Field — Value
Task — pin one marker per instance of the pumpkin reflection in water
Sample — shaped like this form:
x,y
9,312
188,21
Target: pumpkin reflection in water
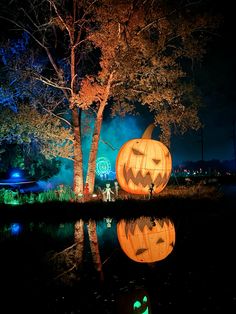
x,y
134,302
141,162
146,240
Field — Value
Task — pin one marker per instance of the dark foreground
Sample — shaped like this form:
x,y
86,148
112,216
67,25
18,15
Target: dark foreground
x,y
198,276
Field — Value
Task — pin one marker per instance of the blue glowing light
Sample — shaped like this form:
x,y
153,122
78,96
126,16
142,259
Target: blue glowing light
x,y
103,166
15,175
15,228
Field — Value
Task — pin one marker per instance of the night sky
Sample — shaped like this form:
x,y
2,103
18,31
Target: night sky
x,y
216,80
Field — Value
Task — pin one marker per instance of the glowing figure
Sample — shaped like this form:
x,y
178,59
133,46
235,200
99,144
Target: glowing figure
x,y
86,191
116,188
108,222
107,193
151,188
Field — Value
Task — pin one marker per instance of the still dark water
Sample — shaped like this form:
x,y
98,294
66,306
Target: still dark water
x,y
188,265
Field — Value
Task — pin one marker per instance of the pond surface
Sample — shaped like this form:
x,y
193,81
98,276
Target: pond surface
x,y
150,264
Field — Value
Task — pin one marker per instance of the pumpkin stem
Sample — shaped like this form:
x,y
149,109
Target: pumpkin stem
x,y
148,131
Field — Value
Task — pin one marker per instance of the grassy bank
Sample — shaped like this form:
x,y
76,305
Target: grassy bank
x,y
172,201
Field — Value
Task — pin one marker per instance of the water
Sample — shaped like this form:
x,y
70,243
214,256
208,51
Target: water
x,y
183,263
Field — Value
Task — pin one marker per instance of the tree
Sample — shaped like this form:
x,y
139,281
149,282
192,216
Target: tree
x,y
28,126
118,53
29,159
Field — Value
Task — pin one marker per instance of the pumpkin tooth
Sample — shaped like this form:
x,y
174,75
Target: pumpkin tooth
x,y
135,171
153,176
142,172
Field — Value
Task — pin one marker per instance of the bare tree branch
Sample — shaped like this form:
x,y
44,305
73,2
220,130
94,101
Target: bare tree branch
x,y
61,19
57,116
49,82
63,251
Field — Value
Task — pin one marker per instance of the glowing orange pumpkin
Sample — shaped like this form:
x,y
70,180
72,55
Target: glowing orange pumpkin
x,y
146,240
141,162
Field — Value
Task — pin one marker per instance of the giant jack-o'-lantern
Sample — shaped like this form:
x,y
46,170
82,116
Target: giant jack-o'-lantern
x,y
141,162
146,240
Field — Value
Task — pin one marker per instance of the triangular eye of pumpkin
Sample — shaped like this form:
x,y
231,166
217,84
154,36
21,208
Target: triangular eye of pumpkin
x,y
140,251
145,299
160,241
156,161
136,152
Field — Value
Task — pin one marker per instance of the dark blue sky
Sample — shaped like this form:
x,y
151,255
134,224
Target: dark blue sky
x,y
216,78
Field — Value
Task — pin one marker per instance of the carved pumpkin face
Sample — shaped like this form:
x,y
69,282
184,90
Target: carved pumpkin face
x,y
145,240
135,302
141,162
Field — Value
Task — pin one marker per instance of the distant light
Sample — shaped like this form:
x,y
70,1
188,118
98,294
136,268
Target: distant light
x,y
15,228
15,175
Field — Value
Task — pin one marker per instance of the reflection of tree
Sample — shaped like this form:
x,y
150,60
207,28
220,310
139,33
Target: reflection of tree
x,y
67,262
93,241
79,241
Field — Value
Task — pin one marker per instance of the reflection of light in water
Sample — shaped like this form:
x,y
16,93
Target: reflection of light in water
x,y
138,305
135,301
108,222
15,228
146,239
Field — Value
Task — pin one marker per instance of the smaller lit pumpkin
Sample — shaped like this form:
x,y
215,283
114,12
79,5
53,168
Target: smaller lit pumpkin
x,y
146,240
134,302
142,162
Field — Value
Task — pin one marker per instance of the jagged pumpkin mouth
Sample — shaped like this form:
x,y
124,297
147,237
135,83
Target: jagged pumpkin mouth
x,y
144,180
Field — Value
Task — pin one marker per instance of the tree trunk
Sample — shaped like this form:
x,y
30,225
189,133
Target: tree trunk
x,y
78,157
93,240
79,240
90,179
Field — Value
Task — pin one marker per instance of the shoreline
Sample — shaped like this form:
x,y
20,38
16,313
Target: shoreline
x,y
58,211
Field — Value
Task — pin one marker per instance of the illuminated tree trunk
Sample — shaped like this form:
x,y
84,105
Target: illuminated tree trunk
x,y
79,241
78,158
90,179
93,240
76,122
93,154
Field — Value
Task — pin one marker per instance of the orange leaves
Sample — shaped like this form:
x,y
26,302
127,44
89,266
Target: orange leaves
x,y
90,92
